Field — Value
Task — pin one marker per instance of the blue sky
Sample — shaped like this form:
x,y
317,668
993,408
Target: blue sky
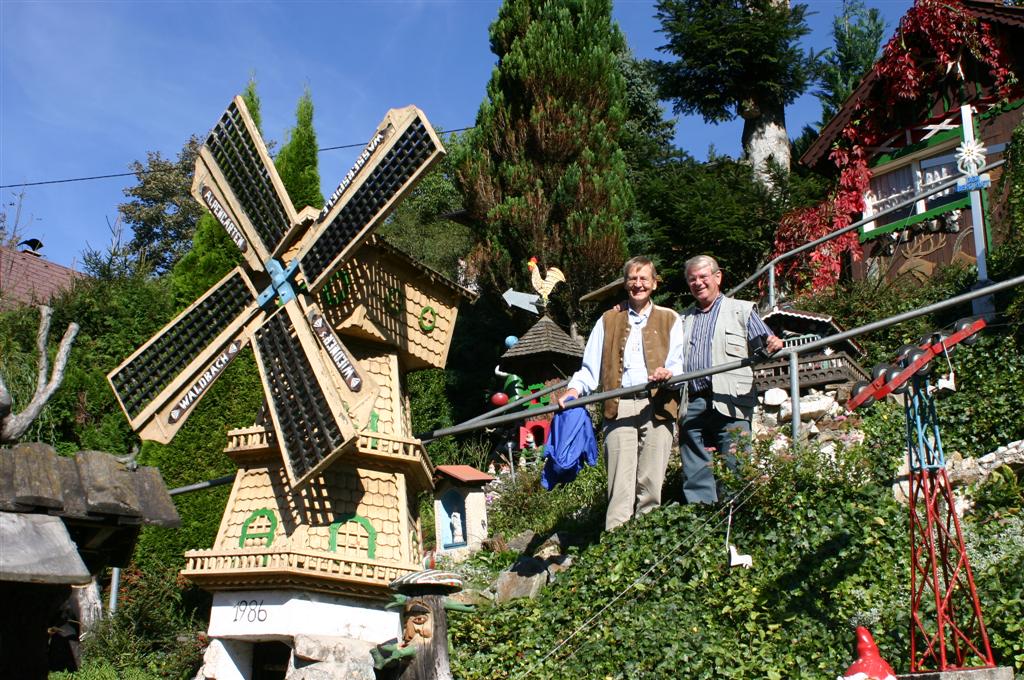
x,y
88,87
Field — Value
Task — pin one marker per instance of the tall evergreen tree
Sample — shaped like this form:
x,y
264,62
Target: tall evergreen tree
x,y
297,160
542,172
857,33
737,58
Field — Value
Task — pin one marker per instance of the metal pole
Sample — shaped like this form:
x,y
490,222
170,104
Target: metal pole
x,y
198,486
794,395
771,287
115,585
982,306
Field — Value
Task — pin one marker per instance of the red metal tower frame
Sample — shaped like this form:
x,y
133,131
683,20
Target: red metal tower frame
x,y
947,628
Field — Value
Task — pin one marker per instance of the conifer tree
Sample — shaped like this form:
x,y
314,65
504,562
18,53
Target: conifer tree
x,y
542,172
737,58
297,160
857,33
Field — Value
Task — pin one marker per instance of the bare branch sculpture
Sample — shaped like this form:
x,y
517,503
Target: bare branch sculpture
x,y
13,425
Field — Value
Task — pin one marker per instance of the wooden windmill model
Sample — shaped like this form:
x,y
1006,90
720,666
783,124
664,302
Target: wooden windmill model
x,y
325,497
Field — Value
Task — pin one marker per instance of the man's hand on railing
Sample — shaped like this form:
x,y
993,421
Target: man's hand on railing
x,y
773,344
568,395
660,373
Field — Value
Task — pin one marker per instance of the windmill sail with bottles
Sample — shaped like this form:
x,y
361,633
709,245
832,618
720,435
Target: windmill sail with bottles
x,y
317,395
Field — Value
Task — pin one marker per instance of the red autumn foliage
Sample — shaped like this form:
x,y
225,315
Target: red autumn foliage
x,y
932,42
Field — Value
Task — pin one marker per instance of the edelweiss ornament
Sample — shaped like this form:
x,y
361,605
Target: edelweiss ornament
x,y
970,157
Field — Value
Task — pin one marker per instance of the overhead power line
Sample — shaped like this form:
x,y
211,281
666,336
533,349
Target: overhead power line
x,y
146,172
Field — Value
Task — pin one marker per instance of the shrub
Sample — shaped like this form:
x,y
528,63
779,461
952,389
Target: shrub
x,y
155,632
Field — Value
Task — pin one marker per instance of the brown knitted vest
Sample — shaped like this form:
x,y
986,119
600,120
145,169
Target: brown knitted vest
x,y
655,339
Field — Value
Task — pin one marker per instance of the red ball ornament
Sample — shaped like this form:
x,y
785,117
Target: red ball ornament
x,y
499,398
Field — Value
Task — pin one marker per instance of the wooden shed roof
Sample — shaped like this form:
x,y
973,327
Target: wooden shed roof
x,y
27,279
467,474
91,485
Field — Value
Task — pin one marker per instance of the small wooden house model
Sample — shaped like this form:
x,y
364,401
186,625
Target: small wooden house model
x,y
317,560
834,365
460,509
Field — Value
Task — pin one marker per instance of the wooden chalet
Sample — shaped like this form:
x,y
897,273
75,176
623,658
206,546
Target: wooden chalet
x,y
920,151
354,527
833,366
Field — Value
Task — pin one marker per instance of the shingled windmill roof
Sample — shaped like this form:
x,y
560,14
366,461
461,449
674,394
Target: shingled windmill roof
x,y
545,336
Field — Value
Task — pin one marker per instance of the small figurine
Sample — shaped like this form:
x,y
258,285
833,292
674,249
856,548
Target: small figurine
x,y
869,664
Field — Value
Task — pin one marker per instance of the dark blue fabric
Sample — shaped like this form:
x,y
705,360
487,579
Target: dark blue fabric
x,y
571,445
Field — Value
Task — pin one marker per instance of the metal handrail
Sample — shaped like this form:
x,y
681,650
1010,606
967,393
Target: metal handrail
x,y
792,352
770,267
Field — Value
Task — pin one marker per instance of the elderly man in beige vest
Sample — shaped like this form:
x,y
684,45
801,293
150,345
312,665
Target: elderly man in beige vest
x,y
629,347
717,408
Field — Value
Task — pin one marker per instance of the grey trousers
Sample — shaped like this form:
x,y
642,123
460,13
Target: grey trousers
x,y
703,426
636,449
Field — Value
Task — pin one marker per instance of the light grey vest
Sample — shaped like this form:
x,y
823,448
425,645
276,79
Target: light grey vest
x,y
734,394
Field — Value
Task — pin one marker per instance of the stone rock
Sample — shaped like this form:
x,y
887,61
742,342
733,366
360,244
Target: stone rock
x,y
521,542
770,419
331,670
776,396
326,658
815,406
494,544
558,564
525,578
812,407
221,657
472,596
901,485
556,544
328,648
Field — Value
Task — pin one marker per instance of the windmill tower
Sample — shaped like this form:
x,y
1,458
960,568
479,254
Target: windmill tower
x,y
323,514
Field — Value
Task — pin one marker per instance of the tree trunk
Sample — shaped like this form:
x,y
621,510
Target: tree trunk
x,y
765,141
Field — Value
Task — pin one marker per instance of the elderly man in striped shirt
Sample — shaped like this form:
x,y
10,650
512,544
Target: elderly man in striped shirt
x,y
716,409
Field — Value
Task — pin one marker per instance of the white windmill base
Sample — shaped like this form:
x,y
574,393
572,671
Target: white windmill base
x,y
318,627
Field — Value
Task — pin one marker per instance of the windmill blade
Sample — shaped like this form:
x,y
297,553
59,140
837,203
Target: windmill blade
x,y
206,188
235,160
357,388
404,147
309,416
160,383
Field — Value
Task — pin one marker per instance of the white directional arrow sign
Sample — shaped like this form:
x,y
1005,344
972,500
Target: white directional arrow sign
x,y
526,301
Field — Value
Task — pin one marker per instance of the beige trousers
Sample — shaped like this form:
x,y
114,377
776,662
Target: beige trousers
x,y
636,455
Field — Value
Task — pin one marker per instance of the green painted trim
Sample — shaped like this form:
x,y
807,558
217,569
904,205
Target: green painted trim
x,y
935,140
914,219
1001,108
262,512
371,533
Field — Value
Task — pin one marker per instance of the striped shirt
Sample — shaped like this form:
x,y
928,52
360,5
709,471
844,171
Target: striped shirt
x,y
699,355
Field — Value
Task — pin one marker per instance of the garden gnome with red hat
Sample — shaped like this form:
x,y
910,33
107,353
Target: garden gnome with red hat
x,y
869,664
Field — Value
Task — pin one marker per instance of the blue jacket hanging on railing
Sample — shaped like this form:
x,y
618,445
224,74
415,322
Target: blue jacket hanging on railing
x,y
571,445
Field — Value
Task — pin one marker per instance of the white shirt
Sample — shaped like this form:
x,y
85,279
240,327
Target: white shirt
x,y
634,367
